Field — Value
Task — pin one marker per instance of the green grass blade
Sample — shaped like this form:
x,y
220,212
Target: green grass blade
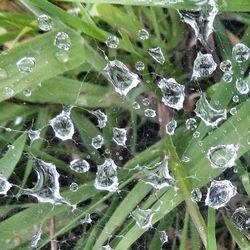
x,y
211,239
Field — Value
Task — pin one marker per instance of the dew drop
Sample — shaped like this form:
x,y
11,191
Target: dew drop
x,y
106,176
196,195
227,77
240,52
143,34
136,105
196,134
226,66
157,55
26,65
79,165
73,187
242,86
143,217
204,65
191,124
120,136
62,41
173,93
233,111
8,91
101,118
112,42
4,185
150,113
97,142
27,92
241,218
145,101
140,66
163,237
121,77
44,22
222,156
219,193
36,237
171,126
236,98
62,56
207,113
106,247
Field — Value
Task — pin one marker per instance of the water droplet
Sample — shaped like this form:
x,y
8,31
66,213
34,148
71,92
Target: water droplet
x,y
97,142
242,86
196,195
27,92
223,156
4,185
26,65
191,124
63,126
236,98
143,217
36,237
106,176
120,136
196,134
8,91
79,166
157,55
207,113
62,56
106,247
173,93
171,126
112,42
140,66
150,113
62,41
220,193
143,34
241,218
3,74
240,52
33,135
136,105
233,111
204,65
87,219
226,66
44,22
121,77
163,237
73,187
101,118
227,77
145,101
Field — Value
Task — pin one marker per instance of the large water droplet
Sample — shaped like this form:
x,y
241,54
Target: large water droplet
x,y
106,176
36,237
143,34
207,113
62,41
242,86
143,217
44,22
79,165
62,126
157,55
204,65
173,93
121,77
26,64
196,195
4,185
220,193
240,52
101,118
241,218
171,126
97,142
112,42
120,136
223,156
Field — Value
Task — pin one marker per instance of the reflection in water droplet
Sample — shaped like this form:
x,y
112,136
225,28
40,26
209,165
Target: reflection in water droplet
x,y
106,176
223,156
79,165
121,77
157,55
150,113
207,113
62,41
26,65
240,52
44,22
173,93
4,185
120,136
112,42
143,217
242,86
220,193
196,195
171,126
143,34
97,142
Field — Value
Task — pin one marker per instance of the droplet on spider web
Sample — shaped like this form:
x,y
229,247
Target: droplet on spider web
x,y
150,113
33,135
97,142
158,175
26,65
101,118
196,195
207,113
62,41
106,176
47,188
223,156
112,42
143,34
4,185
143,217
120,136
157,55
240,52
121,77
87,219
220,193
63,126
171,126
45,22
36,237
173,93
226,66
73,187
242,86
204,65
79,165
191,124
163,237
241,218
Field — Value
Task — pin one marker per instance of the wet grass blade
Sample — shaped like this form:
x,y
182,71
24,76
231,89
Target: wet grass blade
x,y
211,239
